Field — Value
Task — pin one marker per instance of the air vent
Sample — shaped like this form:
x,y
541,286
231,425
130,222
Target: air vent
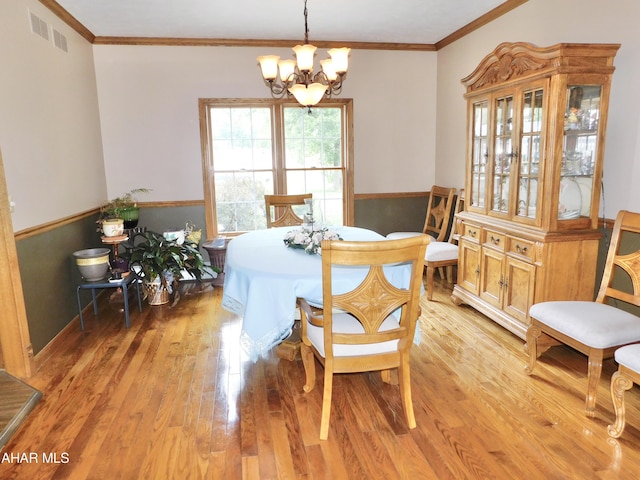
x,y
59,40
39,26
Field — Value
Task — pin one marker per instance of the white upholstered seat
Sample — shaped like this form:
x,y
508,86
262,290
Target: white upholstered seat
x,y
401,235
591,323
345,323
441,251
629,356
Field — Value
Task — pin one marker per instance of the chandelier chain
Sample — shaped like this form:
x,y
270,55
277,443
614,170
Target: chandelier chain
x,y
306,24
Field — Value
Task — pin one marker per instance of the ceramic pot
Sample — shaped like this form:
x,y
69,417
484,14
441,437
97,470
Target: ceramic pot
x,y
113,227
217,250
130,216
93,263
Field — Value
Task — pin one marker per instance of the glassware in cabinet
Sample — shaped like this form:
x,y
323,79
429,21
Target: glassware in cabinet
x,y
479,154
579,150
503,153
530,152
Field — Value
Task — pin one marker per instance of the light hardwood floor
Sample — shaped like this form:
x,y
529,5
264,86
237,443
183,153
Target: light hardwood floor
x,y
173,397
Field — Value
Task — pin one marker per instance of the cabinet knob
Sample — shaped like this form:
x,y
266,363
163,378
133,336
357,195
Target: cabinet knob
x,y
495,240
520,249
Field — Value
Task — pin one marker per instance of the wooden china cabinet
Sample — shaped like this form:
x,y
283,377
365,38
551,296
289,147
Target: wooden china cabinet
x,y
535,147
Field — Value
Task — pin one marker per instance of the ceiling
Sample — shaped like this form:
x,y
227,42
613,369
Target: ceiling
x,y
419,22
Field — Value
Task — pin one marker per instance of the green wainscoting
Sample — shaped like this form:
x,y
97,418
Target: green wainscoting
x,y
160,219
49,274
386,214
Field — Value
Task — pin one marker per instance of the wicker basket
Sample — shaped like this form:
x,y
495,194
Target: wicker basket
x,y
157,294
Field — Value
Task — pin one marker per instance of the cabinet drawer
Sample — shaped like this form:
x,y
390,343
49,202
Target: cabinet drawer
x,y
472,232
524,248
494,239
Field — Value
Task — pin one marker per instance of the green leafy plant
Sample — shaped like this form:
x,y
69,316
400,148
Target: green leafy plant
x,y
117,207
156,257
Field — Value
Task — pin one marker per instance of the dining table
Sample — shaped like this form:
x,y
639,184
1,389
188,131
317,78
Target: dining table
x,y
264,278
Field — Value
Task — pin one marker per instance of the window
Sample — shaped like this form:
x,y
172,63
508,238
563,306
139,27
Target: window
x,y
257,147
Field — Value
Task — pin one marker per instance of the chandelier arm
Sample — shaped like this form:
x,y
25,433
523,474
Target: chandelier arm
x,y
336,86
320,77
335,89
278,90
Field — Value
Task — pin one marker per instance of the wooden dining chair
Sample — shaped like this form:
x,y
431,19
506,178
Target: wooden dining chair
x,y
628,373
279,209
444,255
369,328
436,222
596,328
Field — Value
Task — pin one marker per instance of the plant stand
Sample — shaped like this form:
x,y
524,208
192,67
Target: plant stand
x,y
115,241
217,250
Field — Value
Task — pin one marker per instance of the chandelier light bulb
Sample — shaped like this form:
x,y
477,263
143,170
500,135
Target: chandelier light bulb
x,y
328,69
287,68
340,59
269,66
308,95
304,57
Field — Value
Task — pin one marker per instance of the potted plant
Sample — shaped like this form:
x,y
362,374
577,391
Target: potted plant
x,y
161,263
124,207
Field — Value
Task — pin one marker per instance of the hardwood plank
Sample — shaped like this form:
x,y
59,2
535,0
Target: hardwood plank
x,y
266,457
250,468
367,446
217,466
174,397
284,461
318,468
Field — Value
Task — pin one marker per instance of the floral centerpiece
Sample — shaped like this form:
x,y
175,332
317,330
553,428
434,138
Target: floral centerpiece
x,y
308,239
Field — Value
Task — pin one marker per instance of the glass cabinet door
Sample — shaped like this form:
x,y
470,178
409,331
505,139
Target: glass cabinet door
x,y
530,150
579,150
479,154
503,153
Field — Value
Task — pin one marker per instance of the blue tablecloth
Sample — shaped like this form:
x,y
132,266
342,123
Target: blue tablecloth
x,y
263,279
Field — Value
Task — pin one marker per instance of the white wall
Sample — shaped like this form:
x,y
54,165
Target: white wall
x,y
149,114
50,126
49,123
544,23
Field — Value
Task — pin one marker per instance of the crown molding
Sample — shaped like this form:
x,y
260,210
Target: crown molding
x,y
70,20
488,17
235,42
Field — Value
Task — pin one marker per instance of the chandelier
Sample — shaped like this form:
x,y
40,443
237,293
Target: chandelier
x,y
297,77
